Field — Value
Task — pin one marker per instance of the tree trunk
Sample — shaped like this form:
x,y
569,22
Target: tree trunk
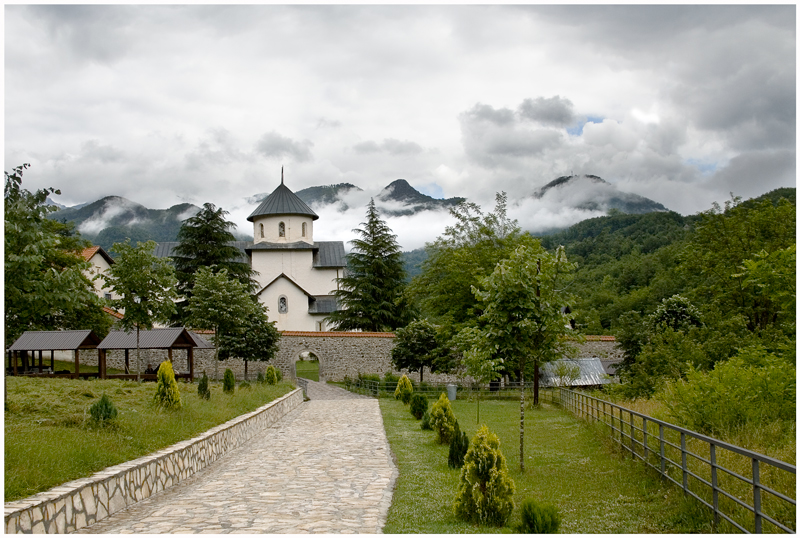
x,y
245,369
535,382
421,368
522,422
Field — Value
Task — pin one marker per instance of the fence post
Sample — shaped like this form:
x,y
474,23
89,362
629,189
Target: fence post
x,y
714,492
644,438
683,464
661,448
633,437
756,496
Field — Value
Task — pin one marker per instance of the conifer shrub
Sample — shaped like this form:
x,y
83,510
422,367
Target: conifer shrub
x,y
202,388
278,375
260,378
167,395
244,385
228,381
443,420
459,444
271,377
404,390
486,492
418,405
103,410
538,518
426,421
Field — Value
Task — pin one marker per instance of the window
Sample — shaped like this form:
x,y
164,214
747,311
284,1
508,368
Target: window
x,y
281,230
283,305
107,296
304,229
262,230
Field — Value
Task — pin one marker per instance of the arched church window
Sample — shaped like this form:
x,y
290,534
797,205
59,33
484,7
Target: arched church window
x,y
304,229
283,305
262,230
281,230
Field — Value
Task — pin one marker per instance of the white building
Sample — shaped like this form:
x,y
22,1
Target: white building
x,y
297,276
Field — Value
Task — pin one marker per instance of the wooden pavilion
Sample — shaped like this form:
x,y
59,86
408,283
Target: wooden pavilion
x,y
52,341
168,339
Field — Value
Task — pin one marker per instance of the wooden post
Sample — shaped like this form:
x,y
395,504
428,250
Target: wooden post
x,y
127,364
77,363
40,361
53,360
15,362
191,364
169,356
101,363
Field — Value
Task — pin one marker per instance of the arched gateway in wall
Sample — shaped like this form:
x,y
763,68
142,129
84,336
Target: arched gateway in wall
x,y
340,353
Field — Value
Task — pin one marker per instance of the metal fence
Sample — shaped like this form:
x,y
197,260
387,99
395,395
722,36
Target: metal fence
x,y
506,391
750,491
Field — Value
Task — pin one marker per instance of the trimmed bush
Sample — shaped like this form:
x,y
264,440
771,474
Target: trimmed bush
x,y
426,421
103,410
419,405
443,421
167,395
459,445
244,385
538,518
271,377
278,375
404,390
228,381
202,388
485,492
260,378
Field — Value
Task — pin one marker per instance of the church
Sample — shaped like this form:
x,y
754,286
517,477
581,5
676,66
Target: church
x,y
296,275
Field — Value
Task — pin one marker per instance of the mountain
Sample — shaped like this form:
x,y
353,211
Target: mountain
x,y
113,219
593,193
326,194
410,199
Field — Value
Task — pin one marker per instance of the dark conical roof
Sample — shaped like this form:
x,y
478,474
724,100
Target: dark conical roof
x,y
282,201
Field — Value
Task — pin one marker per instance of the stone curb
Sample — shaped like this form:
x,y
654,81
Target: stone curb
x,y
85,501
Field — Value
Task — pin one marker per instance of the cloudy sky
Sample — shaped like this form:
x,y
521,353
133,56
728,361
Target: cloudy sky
x,y
171,104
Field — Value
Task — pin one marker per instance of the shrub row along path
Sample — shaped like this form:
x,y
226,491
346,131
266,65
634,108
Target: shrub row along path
x,y
324,468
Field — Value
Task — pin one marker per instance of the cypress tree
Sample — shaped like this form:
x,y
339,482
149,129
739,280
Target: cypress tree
x,y
371,291
206,241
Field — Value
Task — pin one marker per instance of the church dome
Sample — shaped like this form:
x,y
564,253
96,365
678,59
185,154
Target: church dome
x,y
282,201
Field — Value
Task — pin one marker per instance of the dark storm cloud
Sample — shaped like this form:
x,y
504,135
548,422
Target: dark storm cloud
x,y
549,111
274,145
390,146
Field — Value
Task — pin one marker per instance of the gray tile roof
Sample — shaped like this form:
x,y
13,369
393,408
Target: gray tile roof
x,y
330,254
152,339
591,372
55,340
165,248
322,304
282,201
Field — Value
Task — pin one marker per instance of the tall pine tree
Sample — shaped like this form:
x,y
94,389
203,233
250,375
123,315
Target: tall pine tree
x,y
206,241
370,293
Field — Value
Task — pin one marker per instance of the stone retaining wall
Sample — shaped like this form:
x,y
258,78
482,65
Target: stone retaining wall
x,y
82,502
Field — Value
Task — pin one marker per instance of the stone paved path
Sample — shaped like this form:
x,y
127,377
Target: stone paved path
x,y
325,468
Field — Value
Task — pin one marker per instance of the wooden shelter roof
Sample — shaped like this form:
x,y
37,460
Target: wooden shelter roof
x,y
55,341
170,337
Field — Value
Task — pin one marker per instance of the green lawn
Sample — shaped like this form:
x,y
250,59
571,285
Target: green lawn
x,y
49,438
567,463
308,370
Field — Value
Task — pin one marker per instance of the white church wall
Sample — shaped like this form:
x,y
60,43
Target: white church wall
x,y
293,229
297,265
296,317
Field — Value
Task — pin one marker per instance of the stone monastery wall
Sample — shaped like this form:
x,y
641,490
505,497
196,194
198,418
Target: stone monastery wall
x,y
340,354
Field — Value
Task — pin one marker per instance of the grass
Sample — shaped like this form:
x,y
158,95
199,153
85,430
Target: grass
x,y
50,439
308,370
568,463
66,365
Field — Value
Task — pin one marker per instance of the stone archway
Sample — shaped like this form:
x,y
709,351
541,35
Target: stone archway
x,y
308,357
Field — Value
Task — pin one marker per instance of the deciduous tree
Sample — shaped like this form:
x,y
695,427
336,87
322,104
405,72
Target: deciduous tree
x,y
416,346
145,286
